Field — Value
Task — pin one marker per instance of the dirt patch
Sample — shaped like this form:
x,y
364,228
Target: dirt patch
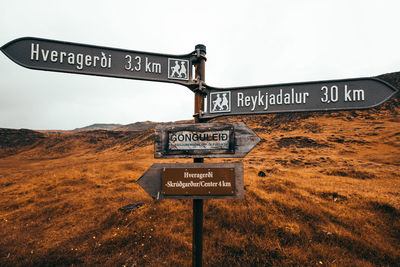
x,y
385,208
299,142
352,173
343,140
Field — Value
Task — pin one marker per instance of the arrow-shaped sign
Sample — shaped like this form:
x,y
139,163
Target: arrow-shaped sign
x,y
194,181
204,140
51,55
359,93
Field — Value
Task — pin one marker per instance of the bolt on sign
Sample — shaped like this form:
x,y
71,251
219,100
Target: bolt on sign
x,y
207,140
347,94
194,181
51,55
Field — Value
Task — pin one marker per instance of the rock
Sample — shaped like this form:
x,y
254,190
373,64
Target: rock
x,y
131,207
261,174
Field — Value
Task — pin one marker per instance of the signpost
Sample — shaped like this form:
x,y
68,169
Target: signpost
x,y
51,55
194,181
204,140
296,97
198,180
197,232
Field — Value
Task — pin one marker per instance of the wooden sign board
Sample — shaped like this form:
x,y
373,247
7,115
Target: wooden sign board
x,y
205,140
194,181
198,181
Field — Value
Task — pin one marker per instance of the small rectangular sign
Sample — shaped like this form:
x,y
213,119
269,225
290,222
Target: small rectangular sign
x,y
198,181
192,140
194,180
209,140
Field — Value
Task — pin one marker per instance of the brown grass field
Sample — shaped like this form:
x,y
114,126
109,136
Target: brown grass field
x,y
321,189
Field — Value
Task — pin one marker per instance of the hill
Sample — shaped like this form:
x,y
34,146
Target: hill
x,y
137,126
99,126
321,188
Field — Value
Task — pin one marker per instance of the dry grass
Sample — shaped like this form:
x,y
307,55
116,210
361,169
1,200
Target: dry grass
x,y
329,195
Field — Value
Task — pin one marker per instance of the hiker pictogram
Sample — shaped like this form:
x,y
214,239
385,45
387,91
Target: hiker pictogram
x,y
220,102
178,69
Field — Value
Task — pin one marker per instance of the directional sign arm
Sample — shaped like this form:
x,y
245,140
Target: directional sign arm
x,y
52,55
360,93
205,140
151,180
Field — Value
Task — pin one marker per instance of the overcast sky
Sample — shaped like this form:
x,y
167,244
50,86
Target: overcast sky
x,y
248,43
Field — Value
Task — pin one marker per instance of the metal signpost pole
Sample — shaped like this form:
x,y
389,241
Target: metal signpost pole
x,y
197,243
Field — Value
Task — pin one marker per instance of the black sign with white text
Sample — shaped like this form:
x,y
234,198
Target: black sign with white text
x,y
50,55
312,96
